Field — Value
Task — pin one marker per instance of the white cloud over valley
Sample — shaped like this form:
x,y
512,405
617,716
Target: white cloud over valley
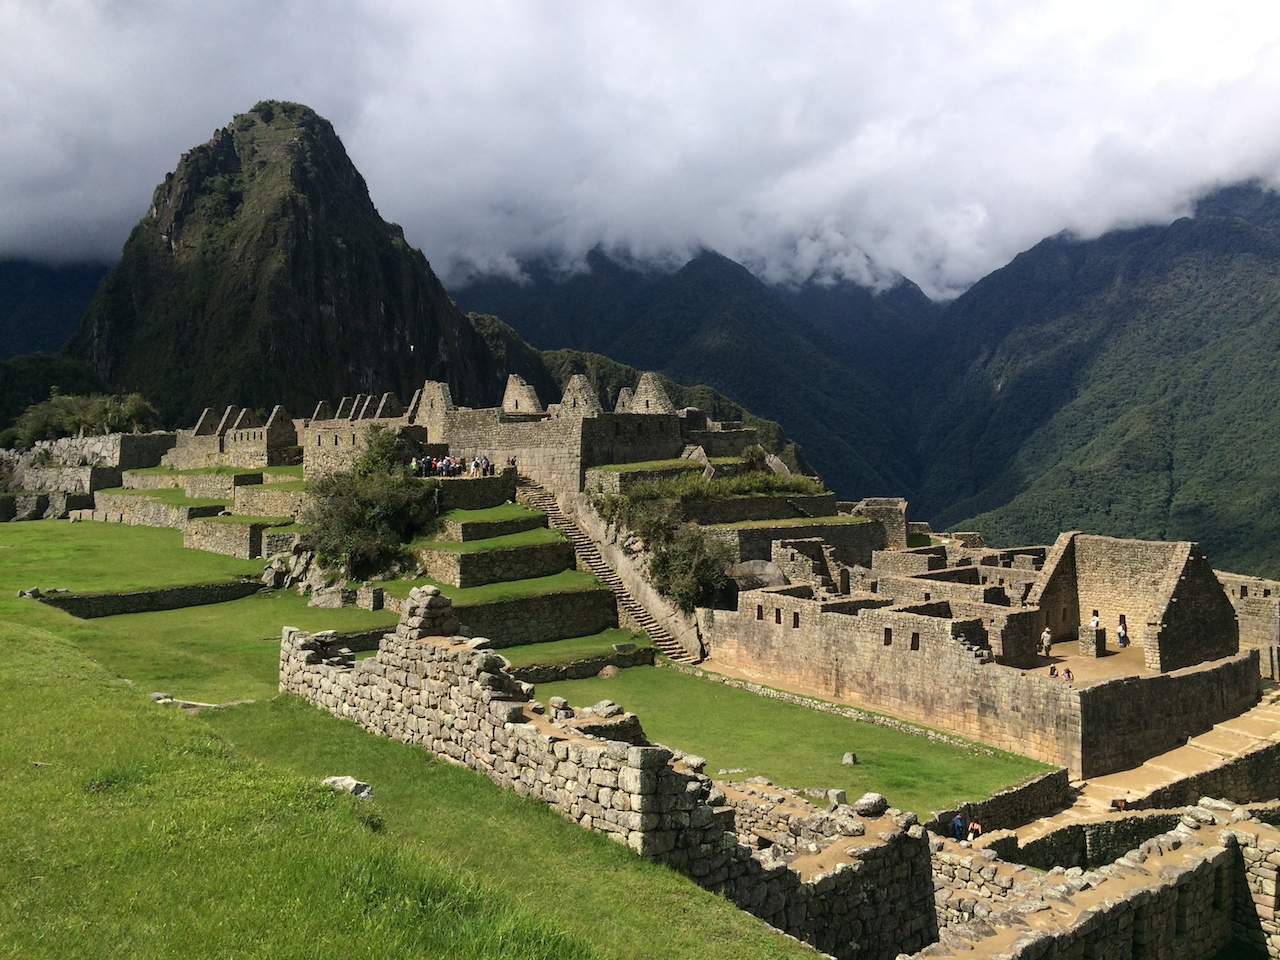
x,y
851,138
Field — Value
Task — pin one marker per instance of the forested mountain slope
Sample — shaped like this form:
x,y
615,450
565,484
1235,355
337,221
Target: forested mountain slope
x,y
1125,385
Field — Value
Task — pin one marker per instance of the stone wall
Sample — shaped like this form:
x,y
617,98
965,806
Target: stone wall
x,y
201,486
605,480
478,567
477,493
1087,845
1249,777
137,480
462,703
228,537
90,605
137,510
537,619
464,531
779,507
270,501
853,543
70,479
584,668
1036,797
1126,720
51,505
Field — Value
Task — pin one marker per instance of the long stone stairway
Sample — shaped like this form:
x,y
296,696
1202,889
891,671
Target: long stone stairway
x,y
589,558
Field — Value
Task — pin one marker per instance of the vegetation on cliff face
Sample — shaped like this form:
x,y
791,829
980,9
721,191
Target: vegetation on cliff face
x,y
69,415
1126,386
263,274
34,377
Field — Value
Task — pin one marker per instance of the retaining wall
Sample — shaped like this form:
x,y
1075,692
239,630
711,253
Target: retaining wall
x,y
268,501
477,493
137,510
854,543
87,606
584,668
552,616
485,529
475,568
1027,801
777,507
463,704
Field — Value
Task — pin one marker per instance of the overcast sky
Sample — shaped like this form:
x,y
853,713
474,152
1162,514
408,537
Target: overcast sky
x,y
850,138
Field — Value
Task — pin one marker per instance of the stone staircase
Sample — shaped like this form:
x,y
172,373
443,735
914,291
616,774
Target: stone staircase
x,y
535,495
1226,741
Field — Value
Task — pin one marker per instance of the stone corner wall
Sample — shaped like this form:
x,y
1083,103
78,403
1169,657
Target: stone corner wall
x,y
427,687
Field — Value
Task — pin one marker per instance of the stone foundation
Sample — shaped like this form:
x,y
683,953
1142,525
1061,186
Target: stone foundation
x,y
475,568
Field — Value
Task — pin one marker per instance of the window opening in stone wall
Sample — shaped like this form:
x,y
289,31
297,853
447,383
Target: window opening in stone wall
x,y
888,636
915,640
1095,613
795,619
759,611
1244,592
777,614
335,439
1266,592
353,439
927,596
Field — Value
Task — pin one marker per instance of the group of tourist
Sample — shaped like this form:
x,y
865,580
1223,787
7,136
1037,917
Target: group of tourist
x,y
960,832
454,467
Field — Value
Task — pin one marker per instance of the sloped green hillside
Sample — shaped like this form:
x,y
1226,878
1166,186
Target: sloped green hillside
x,y
1125,386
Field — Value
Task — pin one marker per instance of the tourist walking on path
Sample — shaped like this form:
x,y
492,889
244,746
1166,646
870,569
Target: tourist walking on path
x,y
1046,641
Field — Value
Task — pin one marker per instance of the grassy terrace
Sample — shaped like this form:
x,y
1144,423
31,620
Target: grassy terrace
x,y
524,538
283,485
564,582
124,821
174,496
505,511
787,522
575,648
795,746
276,522
289,471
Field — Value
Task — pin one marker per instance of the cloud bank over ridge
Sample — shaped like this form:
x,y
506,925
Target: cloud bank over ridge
x,y
832,138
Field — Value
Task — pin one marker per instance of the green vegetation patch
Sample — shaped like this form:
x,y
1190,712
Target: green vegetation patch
x,y
524,538
174,496
575,648
214,653
795,746
645,466
91,557
566,581
505,511
125,822
788,522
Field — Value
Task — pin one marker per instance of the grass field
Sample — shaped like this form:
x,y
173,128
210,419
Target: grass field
x,y
524,538
504,511
132,830
175,496
795,746
564,582
574,648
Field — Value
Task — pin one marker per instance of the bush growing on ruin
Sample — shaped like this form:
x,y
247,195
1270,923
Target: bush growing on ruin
x,y
362,518
69,415
690,569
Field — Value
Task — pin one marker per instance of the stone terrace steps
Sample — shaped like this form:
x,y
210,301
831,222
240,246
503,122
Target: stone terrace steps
x,y
589,557
1226,740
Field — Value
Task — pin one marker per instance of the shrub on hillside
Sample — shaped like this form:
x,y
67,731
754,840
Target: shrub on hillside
x,y
69,415
690,569
362,519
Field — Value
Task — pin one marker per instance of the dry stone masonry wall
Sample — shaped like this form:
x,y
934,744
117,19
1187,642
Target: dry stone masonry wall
x,y
427,686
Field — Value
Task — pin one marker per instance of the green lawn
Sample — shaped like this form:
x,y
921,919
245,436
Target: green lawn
x,y
215,653
524,538
136,831
676,463
504,511
175,496
564,582
795,746
574,648
92,557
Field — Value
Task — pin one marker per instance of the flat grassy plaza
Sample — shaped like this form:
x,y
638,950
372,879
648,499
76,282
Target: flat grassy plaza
x,y
125,822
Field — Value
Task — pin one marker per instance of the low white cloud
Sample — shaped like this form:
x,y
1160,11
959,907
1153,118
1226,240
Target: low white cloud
x,y
827,138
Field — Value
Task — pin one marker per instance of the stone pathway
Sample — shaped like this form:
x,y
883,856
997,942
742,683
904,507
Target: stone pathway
x,y
535,495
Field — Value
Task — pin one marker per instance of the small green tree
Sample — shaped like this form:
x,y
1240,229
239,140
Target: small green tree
x,y
361,519
690,568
